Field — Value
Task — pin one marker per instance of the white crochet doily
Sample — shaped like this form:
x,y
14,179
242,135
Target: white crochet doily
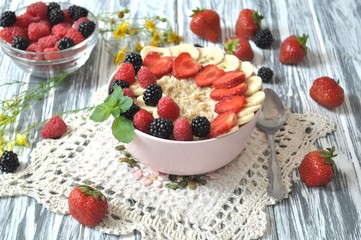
x,y
230,207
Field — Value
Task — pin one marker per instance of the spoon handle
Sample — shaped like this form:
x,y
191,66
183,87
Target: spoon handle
x,y
275,188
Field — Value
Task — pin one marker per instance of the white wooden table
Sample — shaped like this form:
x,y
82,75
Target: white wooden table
x,y
330,212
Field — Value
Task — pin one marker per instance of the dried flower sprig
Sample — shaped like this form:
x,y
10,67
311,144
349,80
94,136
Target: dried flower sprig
x,y
139,32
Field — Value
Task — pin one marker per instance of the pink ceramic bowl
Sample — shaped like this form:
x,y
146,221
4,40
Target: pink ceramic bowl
x,y
189,158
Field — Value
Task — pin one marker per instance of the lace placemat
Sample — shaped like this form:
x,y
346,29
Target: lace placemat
x,y
229,207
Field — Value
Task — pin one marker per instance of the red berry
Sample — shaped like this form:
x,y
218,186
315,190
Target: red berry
x,y
206,23
48,41
185,66
293,49
35,47
239,47
37,30
8,33
60,29
207,75
158,65
87,205
248,23
182,130
327,92
146,77
127,92
125,72
167,108
54,128
24,20
38,10
76,36
79,21
223,123
67,18
142,119
54,55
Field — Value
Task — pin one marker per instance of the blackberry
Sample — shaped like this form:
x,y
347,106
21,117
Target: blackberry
x,y
263,38
56,16
135,59
266,74
200,126
76,12
161,128
52,6
7,19
9,162
131,112
20,42
65,43
121,83
86,28
152,95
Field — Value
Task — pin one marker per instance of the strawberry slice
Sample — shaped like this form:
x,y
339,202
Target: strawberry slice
x,y
233,104
207,75
222,123
230,79
158,65
184,66
219,93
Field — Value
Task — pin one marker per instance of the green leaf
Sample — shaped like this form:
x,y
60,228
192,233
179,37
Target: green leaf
x,y
124,104
116,112
101,112
123,129
115,96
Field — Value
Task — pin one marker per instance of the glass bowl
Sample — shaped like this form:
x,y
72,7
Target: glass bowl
x,y
66,61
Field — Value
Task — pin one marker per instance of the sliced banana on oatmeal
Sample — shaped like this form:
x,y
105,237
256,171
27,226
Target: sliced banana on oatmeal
x,y
255,99
185,47
163,52
245,119
247,68
140,102
136,89
254,84
229,63
210,55
248,110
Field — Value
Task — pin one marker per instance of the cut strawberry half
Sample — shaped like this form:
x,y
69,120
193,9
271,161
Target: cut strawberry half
x,y
220,93
222,124
184,66
158,65
207,75
230,79
233,104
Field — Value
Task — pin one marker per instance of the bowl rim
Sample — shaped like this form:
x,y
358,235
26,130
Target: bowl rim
x,y
92,38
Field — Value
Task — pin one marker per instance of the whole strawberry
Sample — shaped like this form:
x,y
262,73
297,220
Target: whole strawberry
x,y
293,49
317,168
87,205
54,128
239,47
327,92
248,23
206,23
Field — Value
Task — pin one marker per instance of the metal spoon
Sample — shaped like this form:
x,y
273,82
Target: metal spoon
x,y
271,118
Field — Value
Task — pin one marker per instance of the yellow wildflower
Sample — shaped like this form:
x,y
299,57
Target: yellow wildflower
x,y
120,56
155,39
174,38
150,25
3,119
138,46
20,140
121,30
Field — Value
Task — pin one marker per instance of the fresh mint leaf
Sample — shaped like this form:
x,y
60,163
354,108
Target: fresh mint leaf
x,y
101,112
123,129
116,95
124,104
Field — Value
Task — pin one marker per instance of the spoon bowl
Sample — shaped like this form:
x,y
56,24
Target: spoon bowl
x,y
271,118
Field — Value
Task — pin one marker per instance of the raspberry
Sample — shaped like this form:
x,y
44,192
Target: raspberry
x,y
56,16
127,92
7,34
37,30
60,29
86,28
9,162
76,12
24,20
167,108
135,59
65,43
161,127
54,128
54,55
182,130
35,47
7,19
74,35
142,120
126,72
20,43
48,41
152,95
200,126
79,21
67,18
146,77
38,10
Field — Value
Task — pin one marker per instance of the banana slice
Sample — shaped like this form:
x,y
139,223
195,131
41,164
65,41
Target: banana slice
x,y
255,99
140,102
247,68
210,55
248,110
254,84
163,52
245,119
136,89
155,114
185,47
229,63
